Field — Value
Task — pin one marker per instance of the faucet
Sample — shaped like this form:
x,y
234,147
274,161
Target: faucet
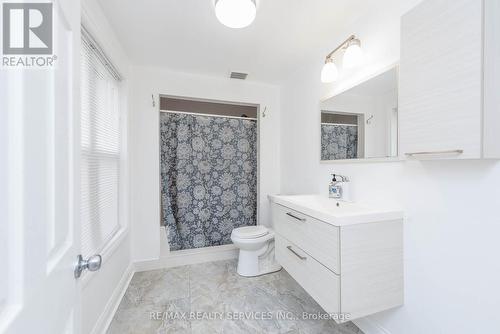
x,y
343,177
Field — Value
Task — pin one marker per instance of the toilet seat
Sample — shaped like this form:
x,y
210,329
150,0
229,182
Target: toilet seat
x,y
250,232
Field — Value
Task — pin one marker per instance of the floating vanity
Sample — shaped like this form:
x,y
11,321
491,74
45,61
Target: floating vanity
x,y
347,257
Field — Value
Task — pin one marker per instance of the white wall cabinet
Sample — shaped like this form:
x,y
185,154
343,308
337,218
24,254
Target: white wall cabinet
x,y
449,70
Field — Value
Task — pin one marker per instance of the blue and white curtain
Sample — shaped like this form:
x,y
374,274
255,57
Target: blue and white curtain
x,y
339,141
209,178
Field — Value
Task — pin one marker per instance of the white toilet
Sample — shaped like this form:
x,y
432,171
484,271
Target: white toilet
x,y
256,244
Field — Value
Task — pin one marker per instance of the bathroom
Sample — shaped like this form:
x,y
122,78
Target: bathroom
x,y
341,167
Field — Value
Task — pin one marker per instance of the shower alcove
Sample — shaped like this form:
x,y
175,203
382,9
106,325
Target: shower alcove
x,y
208,171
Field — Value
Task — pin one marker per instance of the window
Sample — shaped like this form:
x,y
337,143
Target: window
x,y
100,148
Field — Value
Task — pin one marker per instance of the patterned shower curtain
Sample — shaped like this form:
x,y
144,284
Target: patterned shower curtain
x,y
209,178
339,142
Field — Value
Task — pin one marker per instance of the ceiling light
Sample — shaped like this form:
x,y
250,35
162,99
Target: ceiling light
x,y
235,13
329,73
353,54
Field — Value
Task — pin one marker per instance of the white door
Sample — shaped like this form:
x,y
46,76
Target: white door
x,y
39,181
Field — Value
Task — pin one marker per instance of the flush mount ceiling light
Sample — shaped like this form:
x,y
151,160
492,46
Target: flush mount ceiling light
x,y
352,57
235,13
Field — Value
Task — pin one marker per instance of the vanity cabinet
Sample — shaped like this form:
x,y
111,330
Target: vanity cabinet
x,y
449,106
348,258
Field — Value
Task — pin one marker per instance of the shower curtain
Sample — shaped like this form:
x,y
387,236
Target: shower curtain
x,y
209,178
339,141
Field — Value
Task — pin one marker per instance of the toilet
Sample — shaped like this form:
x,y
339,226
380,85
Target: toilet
x,y
256,244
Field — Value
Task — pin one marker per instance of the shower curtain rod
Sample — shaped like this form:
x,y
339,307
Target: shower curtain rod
x,y
339,124
209,115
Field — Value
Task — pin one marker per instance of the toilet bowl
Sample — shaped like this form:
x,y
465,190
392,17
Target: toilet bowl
x,y
256,244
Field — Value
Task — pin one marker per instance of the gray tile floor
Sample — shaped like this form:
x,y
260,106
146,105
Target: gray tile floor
x,y
181,300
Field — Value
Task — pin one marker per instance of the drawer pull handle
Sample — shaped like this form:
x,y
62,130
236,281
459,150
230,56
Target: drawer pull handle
x,y
294,216
413,154
296,254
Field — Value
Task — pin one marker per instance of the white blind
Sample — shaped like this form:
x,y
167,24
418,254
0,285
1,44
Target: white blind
x,y
100,149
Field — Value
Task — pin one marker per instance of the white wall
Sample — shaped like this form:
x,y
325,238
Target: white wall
x,y
378,131
100,290
144,139
453,224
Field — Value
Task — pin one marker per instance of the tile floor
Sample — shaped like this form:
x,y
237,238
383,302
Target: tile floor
x,y
157,301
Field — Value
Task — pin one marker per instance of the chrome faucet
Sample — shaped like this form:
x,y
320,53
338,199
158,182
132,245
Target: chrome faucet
x,y
344,178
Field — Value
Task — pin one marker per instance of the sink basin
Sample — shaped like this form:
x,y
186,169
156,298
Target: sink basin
x,y
335,212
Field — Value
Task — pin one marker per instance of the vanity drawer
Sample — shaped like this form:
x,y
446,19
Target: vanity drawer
x,y
322,284
317,238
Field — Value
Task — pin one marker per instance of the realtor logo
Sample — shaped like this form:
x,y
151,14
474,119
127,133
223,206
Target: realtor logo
x,y
27,35
27,28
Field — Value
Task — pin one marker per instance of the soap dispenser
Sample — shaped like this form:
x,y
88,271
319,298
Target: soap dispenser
x,y
339,188
335,189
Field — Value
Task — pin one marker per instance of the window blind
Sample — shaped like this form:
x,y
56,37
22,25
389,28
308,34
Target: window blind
x,y
100,149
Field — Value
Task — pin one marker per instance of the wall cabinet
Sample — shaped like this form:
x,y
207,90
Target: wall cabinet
x,y
449,71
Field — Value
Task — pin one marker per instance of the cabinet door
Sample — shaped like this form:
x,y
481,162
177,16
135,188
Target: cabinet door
x,y
440,102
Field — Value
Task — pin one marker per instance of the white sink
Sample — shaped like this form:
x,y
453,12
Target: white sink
x,y
335,212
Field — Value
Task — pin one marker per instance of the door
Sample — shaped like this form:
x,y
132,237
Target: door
x,y
39,139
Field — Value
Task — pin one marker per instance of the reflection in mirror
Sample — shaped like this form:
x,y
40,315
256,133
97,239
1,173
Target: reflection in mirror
x,y
363,121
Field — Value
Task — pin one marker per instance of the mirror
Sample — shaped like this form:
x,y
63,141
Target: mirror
x,y
362,122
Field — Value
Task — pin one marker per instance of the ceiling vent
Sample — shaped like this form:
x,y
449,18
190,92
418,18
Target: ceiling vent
x,y
238,75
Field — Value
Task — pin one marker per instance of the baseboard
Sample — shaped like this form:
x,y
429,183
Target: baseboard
x,y
369,326
109,311
189,256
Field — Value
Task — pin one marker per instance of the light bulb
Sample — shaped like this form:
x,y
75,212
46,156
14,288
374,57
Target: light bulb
x,y
353,54
235,13
329,73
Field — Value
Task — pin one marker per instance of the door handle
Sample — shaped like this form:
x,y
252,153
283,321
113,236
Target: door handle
x,y
93,263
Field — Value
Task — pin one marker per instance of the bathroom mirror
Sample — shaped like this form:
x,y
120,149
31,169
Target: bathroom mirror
x,y
362,122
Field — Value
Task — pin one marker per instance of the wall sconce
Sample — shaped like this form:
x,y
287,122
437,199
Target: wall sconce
x,y
352,57
329,73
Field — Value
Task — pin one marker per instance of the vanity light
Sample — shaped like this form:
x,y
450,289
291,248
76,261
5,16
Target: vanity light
x,y
235,13
329,73
353,54
352,57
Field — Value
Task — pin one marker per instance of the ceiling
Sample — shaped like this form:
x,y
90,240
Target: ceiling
x,y
184,35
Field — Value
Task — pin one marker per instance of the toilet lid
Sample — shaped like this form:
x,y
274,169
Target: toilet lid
x,y
249,232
